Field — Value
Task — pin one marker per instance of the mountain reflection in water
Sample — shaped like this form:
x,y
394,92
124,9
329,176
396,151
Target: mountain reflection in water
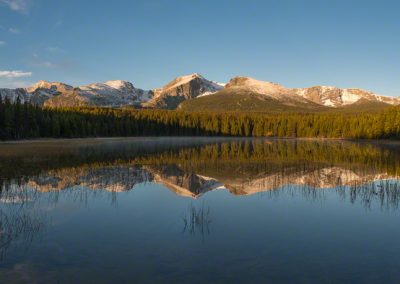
x,y
192,168
35,178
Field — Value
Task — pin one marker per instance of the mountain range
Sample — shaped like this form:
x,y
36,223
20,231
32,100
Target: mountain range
x,y
196,93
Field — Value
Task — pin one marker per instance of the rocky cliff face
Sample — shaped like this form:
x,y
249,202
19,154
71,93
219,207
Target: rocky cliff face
x,y
181,89
13,94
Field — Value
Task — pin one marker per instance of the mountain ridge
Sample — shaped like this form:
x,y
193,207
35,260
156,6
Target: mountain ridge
x,y
189,91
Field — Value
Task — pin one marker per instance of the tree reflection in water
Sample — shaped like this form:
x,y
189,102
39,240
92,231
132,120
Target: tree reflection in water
x,y
34,176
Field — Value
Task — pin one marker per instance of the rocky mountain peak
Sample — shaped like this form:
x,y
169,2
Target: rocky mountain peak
x,y
181,89
182,80
51,86
119,84
261,87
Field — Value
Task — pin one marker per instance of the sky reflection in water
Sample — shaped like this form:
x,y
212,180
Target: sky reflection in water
x,y
196,210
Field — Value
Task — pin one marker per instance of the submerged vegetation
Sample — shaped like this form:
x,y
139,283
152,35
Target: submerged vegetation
x,y
24,121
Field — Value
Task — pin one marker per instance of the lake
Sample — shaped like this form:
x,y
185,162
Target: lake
x,y
196,210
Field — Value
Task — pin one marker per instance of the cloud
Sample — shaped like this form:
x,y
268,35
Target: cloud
x,y
14,30
21,6
14,74
2,43
13,79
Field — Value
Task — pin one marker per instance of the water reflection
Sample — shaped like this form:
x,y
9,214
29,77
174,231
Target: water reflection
x,y
19,221
194,167
170,204
83,171
197,220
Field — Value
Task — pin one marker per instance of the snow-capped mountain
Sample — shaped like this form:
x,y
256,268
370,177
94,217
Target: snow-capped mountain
x,y
273,90
181,89
322,95
245,93
337,97
39,93
116,92
269,89
111,93
186,91
51,88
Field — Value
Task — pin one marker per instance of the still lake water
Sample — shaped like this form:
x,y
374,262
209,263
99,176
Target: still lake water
x,y
196,210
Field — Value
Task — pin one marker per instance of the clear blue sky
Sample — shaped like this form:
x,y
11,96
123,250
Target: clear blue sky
x,y
350,43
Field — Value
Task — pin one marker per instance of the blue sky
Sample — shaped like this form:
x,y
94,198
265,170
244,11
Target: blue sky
x,y
352,43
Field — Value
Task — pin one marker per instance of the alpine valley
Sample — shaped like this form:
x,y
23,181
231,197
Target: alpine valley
x,y
196,93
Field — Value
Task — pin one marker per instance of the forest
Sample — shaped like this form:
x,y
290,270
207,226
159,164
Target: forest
x,y
25,121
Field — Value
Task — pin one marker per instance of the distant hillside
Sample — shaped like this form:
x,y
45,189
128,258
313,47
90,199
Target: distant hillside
x,y
240,100
364,105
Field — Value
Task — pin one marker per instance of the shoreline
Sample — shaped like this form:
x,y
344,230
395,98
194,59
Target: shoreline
x,y
141,138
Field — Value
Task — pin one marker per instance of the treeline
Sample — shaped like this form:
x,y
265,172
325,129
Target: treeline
x,y
25,121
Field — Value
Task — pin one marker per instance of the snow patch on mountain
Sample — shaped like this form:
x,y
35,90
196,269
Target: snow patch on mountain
x,y
337,97
114,93
349,98
260,87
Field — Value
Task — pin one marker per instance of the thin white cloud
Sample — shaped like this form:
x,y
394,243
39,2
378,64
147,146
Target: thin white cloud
x,y
2,43
14,79
21,6
14,74
14,30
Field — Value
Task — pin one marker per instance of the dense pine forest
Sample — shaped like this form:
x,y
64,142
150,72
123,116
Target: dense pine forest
x,y
25,121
